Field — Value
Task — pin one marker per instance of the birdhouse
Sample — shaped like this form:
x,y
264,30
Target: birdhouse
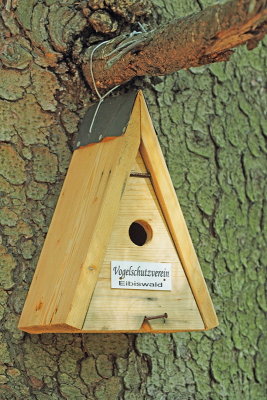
x,y
118,256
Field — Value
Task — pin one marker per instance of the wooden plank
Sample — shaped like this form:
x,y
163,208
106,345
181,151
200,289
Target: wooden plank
x,y
154,160
73,251
114,310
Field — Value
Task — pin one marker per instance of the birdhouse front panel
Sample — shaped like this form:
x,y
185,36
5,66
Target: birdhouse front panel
x,y
140,234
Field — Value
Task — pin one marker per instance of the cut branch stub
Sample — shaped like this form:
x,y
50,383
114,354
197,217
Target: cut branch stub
x,y
197,39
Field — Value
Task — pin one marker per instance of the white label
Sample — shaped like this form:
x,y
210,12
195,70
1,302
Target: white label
x,y
140,275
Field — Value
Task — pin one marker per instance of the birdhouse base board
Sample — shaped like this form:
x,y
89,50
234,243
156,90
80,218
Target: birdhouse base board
x,y
64,328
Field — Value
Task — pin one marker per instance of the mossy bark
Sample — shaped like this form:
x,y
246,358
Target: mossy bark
x,y
211,124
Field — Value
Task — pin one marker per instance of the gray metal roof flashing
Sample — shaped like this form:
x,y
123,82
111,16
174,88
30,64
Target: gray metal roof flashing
x,y
110,120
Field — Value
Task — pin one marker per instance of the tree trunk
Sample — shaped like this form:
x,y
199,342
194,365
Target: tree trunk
x,y
210,122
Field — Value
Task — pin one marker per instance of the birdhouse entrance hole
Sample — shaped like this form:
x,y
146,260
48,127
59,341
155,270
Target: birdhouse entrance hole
x,y
140,232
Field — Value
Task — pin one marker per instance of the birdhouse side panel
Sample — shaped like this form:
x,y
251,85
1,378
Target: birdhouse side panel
x,y
162,184
74,248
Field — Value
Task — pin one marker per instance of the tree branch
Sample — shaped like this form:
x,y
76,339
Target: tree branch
x,y
202,38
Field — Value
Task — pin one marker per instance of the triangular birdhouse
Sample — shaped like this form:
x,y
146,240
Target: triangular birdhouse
x,y
118,256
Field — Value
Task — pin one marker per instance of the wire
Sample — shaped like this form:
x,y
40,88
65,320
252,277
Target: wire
x,y
101,98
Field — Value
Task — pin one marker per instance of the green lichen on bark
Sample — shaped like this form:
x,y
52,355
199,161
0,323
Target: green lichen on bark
x,y
45,86
7,265
12,166
13,84
44,165
16,52
212,129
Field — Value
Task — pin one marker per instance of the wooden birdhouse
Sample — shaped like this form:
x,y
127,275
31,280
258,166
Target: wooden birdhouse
x,y
118,256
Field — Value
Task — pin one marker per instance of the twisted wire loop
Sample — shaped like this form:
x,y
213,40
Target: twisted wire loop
x,y
101,98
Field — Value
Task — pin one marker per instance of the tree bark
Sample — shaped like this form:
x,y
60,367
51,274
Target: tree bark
x,y
202,38
211,123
